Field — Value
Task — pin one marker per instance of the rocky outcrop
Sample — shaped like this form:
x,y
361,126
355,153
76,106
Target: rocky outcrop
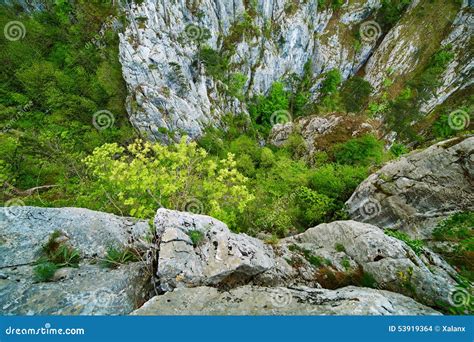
x,y
251,300
330,255
417,191
89,289
199,250
348,252
190,257
321,132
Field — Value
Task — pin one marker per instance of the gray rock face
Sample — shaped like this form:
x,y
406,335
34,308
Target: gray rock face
x,y
89,289
251,300
401,50
414,193
23,230
169,90
220,257
344,251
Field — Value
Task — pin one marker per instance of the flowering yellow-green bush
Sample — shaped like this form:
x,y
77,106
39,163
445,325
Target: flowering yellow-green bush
x,y
145,176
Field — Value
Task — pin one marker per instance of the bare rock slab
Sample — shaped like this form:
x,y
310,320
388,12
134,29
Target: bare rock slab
x,y
253,300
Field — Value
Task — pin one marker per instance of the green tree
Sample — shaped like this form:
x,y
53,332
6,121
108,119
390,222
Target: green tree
x,y
355,94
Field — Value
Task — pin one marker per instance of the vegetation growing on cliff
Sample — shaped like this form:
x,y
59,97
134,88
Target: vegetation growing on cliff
x,y
65,129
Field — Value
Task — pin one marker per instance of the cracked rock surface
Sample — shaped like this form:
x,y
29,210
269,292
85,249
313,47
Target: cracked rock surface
x,y
89,289
219,258
417,191
342,252
253,300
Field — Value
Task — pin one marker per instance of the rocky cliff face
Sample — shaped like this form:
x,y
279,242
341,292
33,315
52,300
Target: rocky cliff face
x,y
266,41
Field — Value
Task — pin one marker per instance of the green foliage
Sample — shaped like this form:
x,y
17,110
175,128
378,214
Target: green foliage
x,y
368,280
242,28
365,150
236,86
331,83
391,12
314,260
458,230
331,99
312,206
338,181
116,257
346,263
45,271
196,236
145,176
398,150
52,82
415,245
299,87
216,64
262,107
404,110
55,254
339,247
355,94
59,252
458,227
336,4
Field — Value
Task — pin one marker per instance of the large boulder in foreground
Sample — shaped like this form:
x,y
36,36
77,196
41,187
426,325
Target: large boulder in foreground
x,y
200,250
415,192
89,289
348,252
252,300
